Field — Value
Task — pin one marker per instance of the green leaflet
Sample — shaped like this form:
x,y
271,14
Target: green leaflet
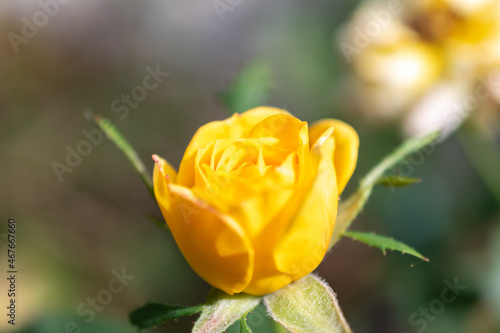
x,y
222,310
307,306
250,89
383,243
397,181
350,208
153,314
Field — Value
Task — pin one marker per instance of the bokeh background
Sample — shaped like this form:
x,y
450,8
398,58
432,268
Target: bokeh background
x,y
74,230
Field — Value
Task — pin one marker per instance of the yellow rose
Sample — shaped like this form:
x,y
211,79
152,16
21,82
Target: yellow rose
x,y
254,203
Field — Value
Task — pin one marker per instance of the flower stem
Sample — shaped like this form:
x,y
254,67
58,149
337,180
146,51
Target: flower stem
x,y
114,135
350,208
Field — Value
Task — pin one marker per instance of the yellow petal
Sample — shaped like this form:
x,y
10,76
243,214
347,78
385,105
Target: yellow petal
x,y
292,134
258,212
284,127
202,158
304,244
266,284
267,278
236,127
163,175
241,151
224,190
213,244
165,167
346,147
220,147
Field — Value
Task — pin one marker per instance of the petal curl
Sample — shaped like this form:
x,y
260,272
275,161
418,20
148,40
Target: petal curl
x,y
346,147
166,169
163,175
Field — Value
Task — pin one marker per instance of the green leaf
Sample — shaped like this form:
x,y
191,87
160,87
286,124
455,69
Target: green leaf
x,y
307,306
114,135
250,89
243,324
222,310
383,243
397,181
153,314
350,208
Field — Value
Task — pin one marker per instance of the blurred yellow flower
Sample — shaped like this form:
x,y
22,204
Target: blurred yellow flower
x,y
254,203
405,53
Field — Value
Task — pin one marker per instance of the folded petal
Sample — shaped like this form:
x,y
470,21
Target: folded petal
x,y
304,243
266,284
214,245
163,175
346,147
267,278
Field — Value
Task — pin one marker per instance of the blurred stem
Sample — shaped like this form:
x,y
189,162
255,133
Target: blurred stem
x,y
408,147
484,154
350,208
158,222
114,135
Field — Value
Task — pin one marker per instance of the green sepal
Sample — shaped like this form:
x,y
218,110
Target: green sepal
x,y
307,306
222,310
